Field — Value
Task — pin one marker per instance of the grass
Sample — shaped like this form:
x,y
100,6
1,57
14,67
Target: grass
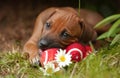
x,y
104,64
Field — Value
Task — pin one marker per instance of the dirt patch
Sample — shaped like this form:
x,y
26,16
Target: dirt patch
x,y
16,25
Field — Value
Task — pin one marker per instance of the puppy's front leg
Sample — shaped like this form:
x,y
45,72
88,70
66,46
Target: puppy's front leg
x,y
31,46
32,50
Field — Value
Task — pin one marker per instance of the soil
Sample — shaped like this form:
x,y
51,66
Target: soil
x,y
16,24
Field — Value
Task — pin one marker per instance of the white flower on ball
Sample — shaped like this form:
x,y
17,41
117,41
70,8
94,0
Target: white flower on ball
x,y
63,59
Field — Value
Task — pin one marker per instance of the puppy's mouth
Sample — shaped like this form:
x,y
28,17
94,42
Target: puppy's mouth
x,y
45,44
55,45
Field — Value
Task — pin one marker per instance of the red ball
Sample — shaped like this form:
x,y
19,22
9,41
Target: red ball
x,y
88,48
48,55
77,51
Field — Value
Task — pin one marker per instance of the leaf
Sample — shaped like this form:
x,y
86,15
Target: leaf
x,y
104,35
107,20
115,40
115,32
113,28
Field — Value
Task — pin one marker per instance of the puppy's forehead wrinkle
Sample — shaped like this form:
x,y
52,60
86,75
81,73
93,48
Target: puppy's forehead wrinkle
x,y
70,18
71,22
65,21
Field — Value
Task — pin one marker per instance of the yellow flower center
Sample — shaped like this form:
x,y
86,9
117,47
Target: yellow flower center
x,y
49,70
62,58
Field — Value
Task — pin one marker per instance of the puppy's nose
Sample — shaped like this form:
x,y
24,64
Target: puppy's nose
x,y
43,44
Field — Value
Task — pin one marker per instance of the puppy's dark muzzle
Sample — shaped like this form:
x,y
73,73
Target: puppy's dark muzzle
x,y
43,44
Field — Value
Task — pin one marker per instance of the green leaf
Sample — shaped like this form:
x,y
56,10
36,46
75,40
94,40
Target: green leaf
x,y
115,40
113,28
104,35
107,20
115,32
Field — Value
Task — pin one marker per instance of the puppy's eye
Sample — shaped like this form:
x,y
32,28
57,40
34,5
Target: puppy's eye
x,y
65,35
47,24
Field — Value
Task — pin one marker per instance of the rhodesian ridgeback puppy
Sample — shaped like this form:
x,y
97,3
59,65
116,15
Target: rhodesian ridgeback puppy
x,y
59,27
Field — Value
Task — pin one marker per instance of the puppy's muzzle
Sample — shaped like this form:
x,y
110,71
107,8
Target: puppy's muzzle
x,y
43,44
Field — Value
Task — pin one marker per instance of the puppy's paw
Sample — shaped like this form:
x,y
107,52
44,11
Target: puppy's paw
x,y
35,60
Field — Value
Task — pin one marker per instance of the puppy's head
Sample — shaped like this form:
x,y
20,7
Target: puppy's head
x,y
63,28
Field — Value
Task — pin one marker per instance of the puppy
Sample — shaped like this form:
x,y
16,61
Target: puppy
x,y
59,27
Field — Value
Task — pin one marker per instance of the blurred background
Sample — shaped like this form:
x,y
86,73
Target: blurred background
x,y
17,17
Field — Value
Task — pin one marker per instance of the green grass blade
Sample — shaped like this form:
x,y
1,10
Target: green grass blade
x,y
113,28
115,40
107,20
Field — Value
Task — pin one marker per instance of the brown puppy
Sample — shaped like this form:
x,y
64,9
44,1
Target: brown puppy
x,y
59,27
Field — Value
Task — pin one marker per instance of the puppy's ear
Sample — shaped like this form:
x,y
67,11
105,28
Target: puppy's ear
x,y
87,32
